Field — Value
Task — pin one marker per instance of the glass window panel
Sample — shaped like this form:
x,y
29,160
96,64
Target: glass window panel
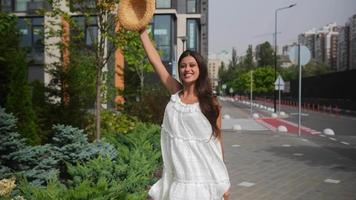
x,y
192,31
163,3
91,35
25,31
6,5
21,5
79,23
38,38
37,21
162,35
191,6
92,21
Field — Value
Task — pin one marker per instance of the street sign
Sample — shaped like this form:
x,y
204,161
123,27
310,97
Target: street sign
x,y
224,86
231,90
304,55
279,83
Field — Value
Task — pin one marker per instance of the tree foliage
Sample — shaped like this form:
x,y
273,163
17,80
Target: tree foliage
x,y
248,62
9,47
265,55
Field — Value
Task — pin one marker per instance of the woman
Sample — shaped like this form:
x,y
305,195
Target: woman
x,y
191,143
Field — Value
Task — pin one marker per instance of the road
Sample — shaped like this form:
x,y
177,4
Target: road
x,y
266,164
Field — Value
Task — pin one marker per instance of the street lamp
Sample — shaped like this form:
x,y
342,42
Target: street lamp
x,y
183,38
275,47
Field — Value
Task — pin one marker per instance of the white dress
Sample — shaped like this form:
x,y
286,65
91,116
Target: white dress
x,y
193,164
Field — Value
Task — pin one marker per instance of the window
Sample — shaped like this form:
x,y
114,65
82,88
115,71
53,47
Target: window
x,y
32,35
6,5
192,6
85,30
162,33
23,5
79,6
192,34
163,4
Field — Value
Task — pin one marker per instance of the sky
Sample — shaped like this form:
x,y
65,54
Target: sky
x,y
238,23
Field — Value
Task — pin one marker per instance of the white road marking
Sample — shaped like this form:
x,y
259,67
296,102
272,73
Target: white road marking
x,y
286,145
332,181
345,143
331,138
246,184
298,154
235,145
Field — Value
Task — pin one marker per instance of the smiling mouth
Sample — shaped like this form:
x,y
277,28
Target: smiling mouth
x,y
188,75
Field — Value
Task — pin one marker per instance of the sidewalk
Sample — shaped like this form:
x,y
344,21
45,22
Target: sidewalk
x,y
276,166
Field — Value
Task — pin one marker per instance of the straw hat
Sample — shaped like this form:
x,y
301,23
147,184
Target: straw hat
x,y
134,15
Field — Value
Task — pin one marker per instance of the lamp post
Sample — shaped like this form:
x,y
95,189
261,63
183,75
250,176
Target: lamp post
x,y
183,38
275,47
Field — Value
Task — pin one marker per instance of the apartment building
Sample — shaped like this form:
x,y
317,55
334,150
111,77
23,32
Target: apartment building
x,y
322,44
214,65
352,48
180,25
308,39
177,25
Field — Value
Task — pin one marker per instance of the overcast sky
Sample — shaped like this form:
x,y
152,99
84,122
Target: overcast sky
x,y
237,23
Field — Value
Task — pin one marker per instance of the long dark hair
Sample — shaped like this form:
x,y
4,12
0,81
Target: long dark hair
x,y
207,102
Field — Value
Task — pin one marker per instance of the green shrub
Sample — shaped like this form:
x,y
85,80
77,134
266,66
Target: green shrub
x,y
125,177
10,142
112,123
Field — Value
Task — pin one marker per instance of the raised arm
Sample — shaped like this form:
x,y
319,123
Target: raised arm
x,y
167,80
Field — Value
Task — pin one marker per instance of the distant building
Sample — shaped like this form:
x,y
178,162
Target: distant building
x,y
322,44
352,22
343,62
347,45
224,56
213,71
308,39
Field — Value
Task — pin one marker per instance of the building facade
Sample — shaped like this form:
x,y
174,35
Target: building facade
x,y
343,62
308,39
352,47
214,65
177,25
323,44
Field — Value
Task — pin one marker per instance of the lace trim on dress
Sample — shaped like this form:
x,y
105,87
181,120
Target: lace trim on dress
x,y
183,107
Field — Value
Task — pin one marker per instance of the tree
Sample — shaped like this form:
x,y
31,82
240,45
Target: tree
x,y
15,90
234,59
19,99
248,60
135,56
289,73
9,46
263,79
265,55
315,68
105,40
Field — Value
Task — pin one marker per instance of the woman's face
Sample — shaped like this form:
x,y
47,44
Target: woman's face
x,y
188,70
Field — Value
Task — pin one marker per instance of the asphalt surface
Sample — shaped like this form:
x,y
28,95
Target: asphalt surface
x,y
267,164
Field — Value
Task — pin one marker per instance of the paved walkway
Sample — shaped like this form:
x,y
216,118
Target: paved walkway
x,y
275,166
